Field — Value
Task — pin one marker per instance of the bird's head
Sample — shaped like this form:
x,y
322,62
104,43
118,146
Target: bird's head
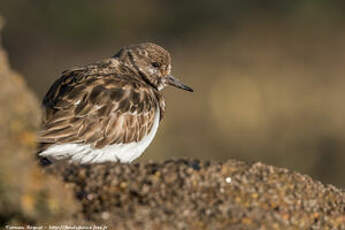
x,y
152,63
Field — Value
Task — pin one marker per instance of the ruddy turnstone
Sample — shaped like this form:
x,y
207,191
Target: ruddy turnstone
x,y
109,110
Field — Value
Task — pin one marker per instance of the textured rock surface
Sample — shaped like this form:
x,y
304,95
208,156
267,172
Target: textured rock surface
x,y
188,194
26,194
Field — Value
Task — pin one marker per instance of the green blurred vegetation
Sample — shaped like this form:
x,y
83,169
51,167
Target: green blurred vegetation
x,y
269,75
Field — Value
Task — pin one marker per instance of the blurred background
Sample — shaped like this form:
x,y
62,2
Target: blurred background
x,y
269,76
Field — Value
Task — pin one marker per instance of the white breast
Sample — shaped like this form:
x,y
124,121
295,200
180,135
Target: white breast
x,y
86,154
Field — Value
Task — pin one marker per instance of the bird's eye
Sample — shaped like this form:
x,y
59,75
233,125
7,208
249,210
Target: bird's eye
x,y
156,64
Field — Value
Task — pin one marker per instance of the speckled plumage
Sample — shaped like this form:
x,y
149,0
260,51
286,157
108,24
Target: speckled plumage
x,y
112,102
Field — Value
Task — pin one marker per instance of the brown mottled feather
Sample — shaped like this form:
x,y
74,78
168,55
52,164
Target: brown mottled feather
x,y
98,105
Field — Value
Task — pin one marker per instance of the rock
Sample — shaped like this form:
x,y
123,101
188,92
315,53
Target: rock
x,y
177,194
26,194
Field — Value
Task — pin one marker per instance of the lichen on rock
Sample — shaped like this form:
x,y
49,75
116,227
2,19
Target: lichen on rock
x,y
27,195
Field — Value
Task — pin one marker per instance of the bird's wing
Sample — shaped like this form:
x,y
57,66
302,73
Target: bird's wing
x,y
99,111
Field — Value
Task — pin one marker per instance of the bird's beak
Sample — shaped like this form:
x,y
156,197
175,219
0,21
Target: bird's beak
x,y
178,84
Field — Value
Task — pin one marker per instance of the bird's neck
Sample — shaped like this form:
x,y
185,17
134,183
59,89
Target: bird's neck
x,y
130,67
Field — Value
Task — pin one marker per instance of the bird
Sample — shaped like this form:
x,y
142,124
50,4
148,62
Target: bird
x,y
109,110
